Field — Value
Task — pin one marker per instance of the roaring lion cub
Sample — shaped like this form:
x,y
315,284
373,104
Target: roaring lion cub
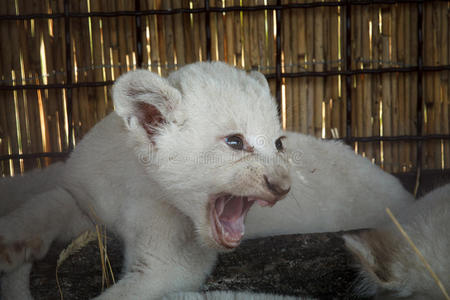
x,y
174,172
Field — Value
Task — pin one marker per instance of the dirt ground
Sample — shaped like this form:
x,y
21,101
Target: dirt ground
x,y
315,265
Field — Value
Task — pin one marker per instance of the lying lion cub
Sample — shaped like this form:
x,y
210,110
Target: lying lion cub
x,y
174,172
389,266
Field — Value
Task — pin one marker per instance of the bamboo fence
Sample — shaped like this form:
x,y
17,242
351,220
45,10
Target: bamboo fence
x,y
33,52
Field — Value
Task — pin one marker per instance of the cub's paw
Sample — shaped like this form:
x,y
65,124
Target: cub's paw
x,y
16,253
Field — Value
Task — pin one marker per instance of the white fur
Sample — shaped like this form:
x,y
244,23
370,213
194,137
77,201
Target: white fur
x,y
427,223
150,181
229,295
333,189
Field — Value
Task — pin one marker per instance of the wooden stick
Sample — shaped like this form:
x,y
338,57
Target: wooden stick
x,y
386,90
24,104
238,41
336,99
179,35
18,104
287,51
98,53
214,36
4,131
310,81
54,53
271,45
6,124
60,76
196,35
246,39
114,42
146,47
131,34
394,89
328,86
75,57
359,91
106,37
229,34
428,85
167,23
293,83
413,110
343,117
154,45
301,48
319,81
121,33
367,81
263,42
84,59
220,35
33,137
162,37
401,49
376,81
408,101
437,43
445,54
202,30
188,50
253,39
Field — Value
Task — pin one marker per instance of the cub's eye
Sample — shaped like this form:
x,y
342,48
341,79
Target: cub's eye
x,y
279,144
235,142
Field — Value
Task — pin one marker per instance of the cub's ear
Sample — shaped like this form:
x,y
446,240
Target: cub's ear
x,y
374,252
144,100
261,79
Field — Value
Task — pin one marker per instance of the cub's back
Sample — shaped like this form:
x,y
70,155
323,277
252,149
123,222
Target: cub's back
x,y
16,190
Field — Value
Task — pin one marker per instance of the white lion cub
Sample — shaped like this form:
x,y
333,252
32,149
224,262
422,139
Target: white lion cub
x,y
389,267
174,172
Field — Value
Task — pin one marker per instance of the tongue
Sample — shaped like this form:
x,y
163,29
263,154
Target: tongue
x,y
232,209
232,218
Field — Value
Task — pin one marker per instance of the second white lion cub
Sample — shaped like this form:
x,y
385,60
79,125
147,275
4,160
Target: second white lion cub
x,y
390,268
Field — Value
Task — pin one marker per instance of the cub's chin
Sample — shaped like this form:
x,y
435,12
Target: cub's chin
x,y
225,213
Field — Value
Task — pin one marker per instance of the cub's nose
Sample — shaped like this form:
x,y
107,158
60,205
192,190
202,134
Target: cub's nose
x,y
278,187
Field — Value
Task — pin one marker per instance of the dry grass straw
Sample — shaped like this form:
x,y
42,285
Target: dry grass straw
x,y
80,242
76,245
418,253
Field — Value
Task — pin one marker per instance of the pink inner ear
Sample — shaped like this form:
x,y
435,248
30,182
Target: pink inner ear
x,y
149,116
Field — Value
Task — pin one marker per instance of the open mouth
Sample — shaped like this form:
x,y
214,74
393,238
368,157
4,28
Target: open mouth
x,y
227,216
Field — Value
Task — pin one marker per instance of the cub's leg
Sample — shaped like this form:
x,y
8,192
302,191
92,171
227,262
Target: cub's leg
x,y
27,232
15,285
162,255
152,274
